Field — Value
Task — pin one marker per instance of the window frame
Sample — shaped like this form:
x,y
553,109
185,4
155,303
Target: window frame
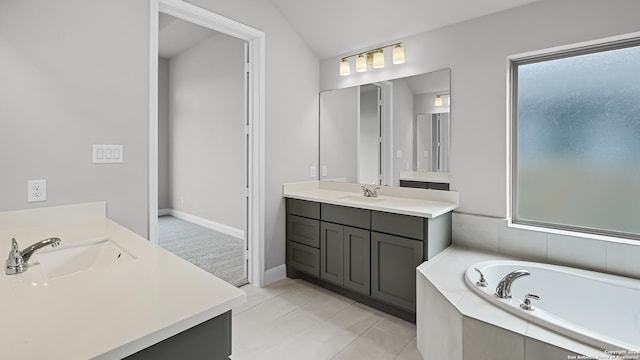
x,y
512,102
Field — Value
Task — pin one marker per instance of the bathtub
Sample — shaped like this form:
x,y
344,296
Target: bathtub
x,y
598,309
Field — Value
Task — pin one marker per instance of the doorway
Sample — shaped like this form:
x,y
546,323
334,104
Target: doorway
x,y
202,157
252,127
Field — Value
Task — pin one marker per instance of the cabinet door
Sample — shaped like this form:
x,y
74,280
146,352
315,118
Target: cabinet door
x,y
331,252
393,269
357,260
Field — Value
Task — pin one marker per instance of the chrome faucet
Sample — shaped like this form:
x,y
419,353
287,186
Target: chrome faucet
x,y
17,261
368,192
503,290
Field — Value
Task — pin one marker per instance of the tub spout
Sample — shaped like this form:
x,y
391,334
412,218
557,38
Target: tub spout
x,y
503,290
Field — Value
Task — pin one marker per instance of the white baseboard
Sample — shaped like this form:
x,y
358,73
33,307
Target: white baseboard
x,y
164,212
238,233
275,274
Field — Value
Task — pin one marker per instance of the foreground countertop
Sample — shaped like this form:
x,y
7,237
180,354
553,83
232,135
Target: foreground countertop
x,y
406,201
104,313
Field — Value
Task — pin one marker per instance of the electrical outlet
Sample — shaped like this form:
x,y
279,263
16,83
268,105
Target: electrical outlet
x,y
36,190
312,172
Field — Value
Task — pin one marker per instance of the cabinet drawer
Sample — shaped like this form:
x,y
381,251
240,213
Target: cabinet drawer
x,y
397,224
303,230
413,184
346,215
438,186
304,208
303,258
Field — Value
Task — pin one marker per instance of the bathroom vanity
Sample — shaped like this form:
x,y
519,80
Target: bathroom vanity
x,y
107,293
366,248
424,180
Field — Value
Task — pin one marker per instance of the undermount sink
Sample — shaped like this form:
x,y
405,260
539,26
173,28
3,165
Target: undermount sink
x,y
79,257
361,198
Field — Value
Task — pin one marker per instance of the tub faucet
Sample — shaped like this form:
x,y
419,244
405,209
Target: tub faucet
x,y
503,290
17,261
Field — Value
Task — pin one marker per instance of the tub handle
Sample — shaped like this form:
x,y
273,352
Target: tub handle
x,y
482,282
526,304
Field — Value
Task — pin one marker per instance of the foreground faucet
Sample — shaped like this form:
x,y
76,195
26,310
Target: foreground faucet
x,y
17,261
370,193
503,290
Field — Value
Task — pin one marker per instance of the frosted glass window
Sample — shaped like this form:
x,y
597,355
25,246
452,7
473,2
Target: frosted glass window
x,y
576,147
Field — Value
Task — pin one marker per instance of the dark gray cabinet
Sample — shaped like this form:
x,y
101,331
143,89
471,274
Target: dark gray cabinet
x,y
331,252
393,269
303,236
368,255
357,260
345,254
424,185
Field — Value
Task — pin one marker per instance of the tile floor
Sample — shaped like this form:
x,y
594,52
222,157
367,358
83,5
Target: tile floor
x,y
294,319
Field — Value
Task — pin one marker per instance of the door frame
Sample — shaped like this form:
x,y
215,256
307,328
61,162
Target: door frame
x,y
255,111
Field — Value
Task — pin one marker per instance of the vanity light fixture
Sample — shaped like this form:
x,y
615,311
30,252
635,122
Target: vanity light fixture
x,y
373,57
438,101
345,68
361,63
398,54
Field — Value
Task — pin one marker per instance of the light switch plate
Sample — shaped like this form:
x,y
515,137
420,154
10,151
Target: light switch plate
x,y
107,154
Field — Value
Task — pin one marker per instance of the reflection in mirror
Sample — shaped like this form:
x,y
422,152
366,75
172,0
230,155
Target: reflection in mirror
x,y
394,132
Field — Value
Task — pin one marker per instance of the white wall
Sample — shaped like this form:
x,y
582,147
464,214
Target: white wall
x,y
72,77
369,133
402,128
476,51
164,189
339,129
83,80
207,131
292,85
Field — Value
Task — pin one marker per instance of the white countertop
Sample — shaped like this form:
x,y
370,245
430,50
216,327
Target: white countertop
x,y
406,201
425,176
104,313
446,272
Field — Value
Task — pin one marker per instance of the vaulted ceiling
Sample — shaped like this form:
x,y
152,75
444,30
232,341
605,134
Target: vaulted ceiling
x,y
337,27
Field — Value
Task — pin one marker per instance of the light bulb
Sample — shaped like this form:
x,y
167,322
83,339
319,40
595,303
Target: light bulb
x,y
345,68
438,101
398,54
361,63
378,59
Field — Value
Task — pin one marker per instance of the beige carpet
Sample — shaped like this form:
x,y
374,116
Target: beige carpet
x,y
220,254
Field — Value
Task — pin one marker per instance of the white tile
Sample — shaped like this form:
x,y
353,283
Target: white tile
x,y
554,339
577,252
482,341
526,244
472,305
410,352
535,350
373,344
475,231
622,259
330,337
439,325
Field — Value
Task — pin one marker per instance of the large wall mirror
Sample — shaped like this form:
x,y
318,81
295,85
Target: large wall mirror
x,y
389,132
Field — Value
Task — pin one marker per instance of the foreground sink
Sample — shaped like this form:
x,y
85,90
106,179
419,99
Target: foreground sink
x,y
361,198
83,256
